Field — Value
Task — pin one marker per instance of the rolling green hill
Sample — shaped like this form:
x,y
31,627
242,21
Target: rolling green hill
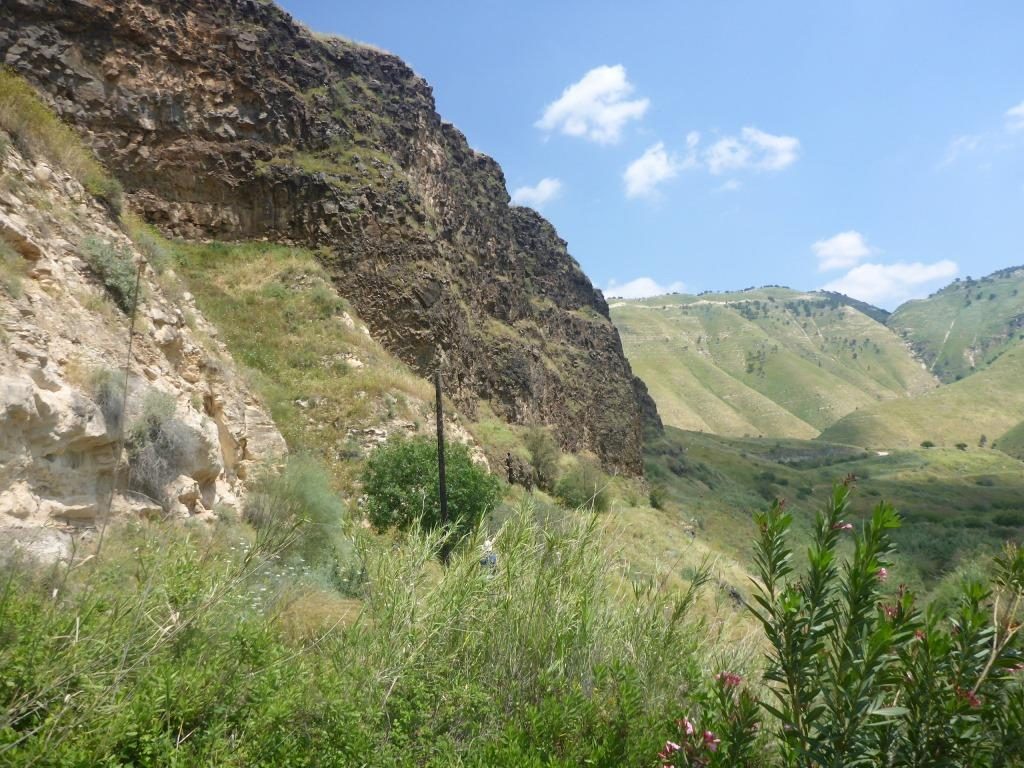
x,y
988,403
766,361
1012,442
954,503
965,326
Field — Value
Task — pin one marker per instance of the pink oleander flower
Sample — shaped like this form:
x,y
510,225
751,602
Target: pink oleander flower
x,y
711,741
729,679
686,726
970,697
670,748
882,574
919,634
890,611
841,526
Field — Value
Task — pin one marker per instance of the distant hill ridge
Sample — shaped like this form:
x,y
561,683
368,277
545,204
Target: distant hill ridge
x,y
967,325
780,362
765,361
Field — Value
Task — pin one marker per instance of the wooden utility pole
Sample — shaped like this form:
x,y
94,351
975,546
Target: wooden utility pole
x,y
442,486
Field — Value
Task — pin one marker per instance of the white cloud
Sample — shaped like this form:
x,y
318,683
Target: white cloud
x,y
1015,118
841,251
728,154
596,107
891,284
652,168
641,288
753,148
730,186
961,145
774,152
536,196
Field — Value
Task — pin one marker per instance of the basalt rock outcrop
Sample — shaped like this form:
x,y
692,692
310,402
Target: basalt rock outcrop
x,y
226,119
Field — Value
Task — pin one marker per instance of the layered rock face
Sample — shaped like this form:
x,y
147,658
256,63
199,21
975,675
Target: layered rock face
x,y
226,119
64,417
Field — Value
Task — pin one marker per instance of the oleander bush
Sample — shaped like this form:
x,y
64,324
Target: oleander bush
x,y
857,673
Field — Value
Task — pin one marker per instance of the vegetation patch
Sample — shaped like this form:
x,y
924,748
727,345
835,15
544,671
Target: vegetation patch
x,y
37,131
116,270
400,481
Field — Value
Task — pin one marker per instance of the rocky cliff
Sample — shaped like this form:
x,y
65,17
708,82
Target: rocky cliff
x,y
64,416
226,119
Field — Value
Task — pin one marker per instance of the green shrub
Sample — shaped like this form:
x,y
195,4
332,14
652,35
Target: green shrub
x,y
544,457
657,497
927,444
107,389
36,130
153,248
584,486
298,500
159,445
115,268
401,486
172,647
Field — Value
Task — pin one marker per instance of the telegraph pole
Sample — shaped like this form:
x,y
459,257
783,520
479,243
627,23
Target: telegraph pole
x,y
442,485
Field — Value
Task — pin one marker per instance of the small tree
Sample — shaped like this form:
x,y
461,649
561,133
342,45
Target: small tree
x,y
544,455
584,486
400,482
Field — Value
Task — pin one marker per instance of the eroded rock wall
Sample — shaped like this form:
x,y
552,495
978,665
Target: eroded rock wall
x,y
62,363
224,118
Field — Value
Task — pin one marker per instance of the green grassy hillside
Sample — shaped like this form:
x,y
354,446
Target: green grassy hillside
x,y
986,404
767,361
955,504
1012,442
967,325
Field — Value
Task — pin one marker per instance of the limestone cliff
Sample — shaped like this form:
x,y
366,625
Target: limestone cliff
x,y
226,119
63,348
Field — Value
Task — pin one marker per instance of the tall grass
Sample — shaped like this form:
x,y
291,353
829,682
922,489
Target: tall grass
x,y
36,130
177,651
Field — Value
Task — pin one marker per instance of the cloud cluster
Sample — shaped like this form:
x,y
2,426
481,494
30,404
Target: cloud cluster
x,y
596,108
542,192
641,288
1015,118
842,251
892,284
753,149
652,168
882,284
991,141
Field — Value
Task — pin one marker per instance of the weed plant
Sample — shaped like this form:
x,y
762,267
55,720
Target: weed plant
x,y
115,268
37,131
171,649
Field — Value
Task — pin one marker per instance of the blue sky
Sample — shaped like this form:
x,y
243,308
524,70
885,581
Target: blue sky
x,y
874,147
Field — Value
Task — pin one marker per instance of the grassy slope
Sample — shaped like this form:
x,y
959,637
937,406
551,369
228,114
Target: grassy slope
x,y
769,361
954,503
967,325
988,403
282,321
1012,442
